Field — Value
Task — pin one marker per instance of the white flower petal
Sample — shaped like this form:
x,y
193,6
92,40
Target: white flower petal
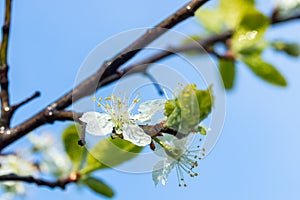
x,y
149,108
98,124
136,135
161,171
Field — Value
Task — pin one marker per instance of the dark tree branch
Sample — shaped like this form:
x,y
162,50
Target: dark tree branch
x,y
108,69
198,46
73,178
65,116
5,104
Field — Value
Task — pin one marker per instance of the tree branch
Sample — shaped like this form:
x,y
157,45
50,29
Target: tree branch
x,y
5,104
73,178
108,69
198,46
276,19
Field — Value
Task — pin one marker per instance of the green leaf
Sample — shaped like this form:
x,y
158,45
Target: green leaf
x,y
226,16
264,70
189,108
210,19
109,153
227,70
205,101
292,49
75,152
98,186
234,10
248,37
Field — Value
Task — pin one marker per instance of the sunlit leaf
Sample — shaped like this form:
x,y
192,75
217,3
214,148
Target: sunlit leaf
x,y
210,19
264,70
98,186
75,152
109,153
234,10
249,33
227,70
226,16
290,48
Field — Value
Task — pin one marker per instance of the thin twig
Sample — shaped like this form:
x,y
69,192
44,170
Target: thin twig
x,y
29,99
154,82
5,104
73,178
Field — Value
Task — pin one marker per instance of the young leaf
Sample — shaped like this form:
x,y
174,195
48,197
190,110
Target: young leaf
x,y
226,16
227,70
210,19
264,70
109,153
234,10
189,108
98,186
75,152
250,32
292,49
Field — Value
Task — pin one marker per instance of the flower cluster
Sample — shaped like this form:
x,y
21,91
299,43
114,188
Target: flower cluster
x,y
117,117
182,115
14,164
53,161
42,157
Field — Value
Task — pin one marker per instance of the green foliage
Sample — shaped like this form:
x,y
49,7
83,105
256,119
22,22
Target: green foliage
x,y
290,48
227,70
109,153
264,70
189,108
98,186
248,37
210,19
75,152
226,16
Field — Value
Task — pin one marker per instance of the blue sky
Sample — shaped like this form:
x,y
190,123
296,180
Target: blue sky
x,y
257,154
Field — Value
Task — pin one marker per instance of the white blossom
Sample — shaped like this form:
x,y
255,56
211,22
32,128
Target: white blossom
x,y
54,161
117,114
13,164
178,157
287,8
287,4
